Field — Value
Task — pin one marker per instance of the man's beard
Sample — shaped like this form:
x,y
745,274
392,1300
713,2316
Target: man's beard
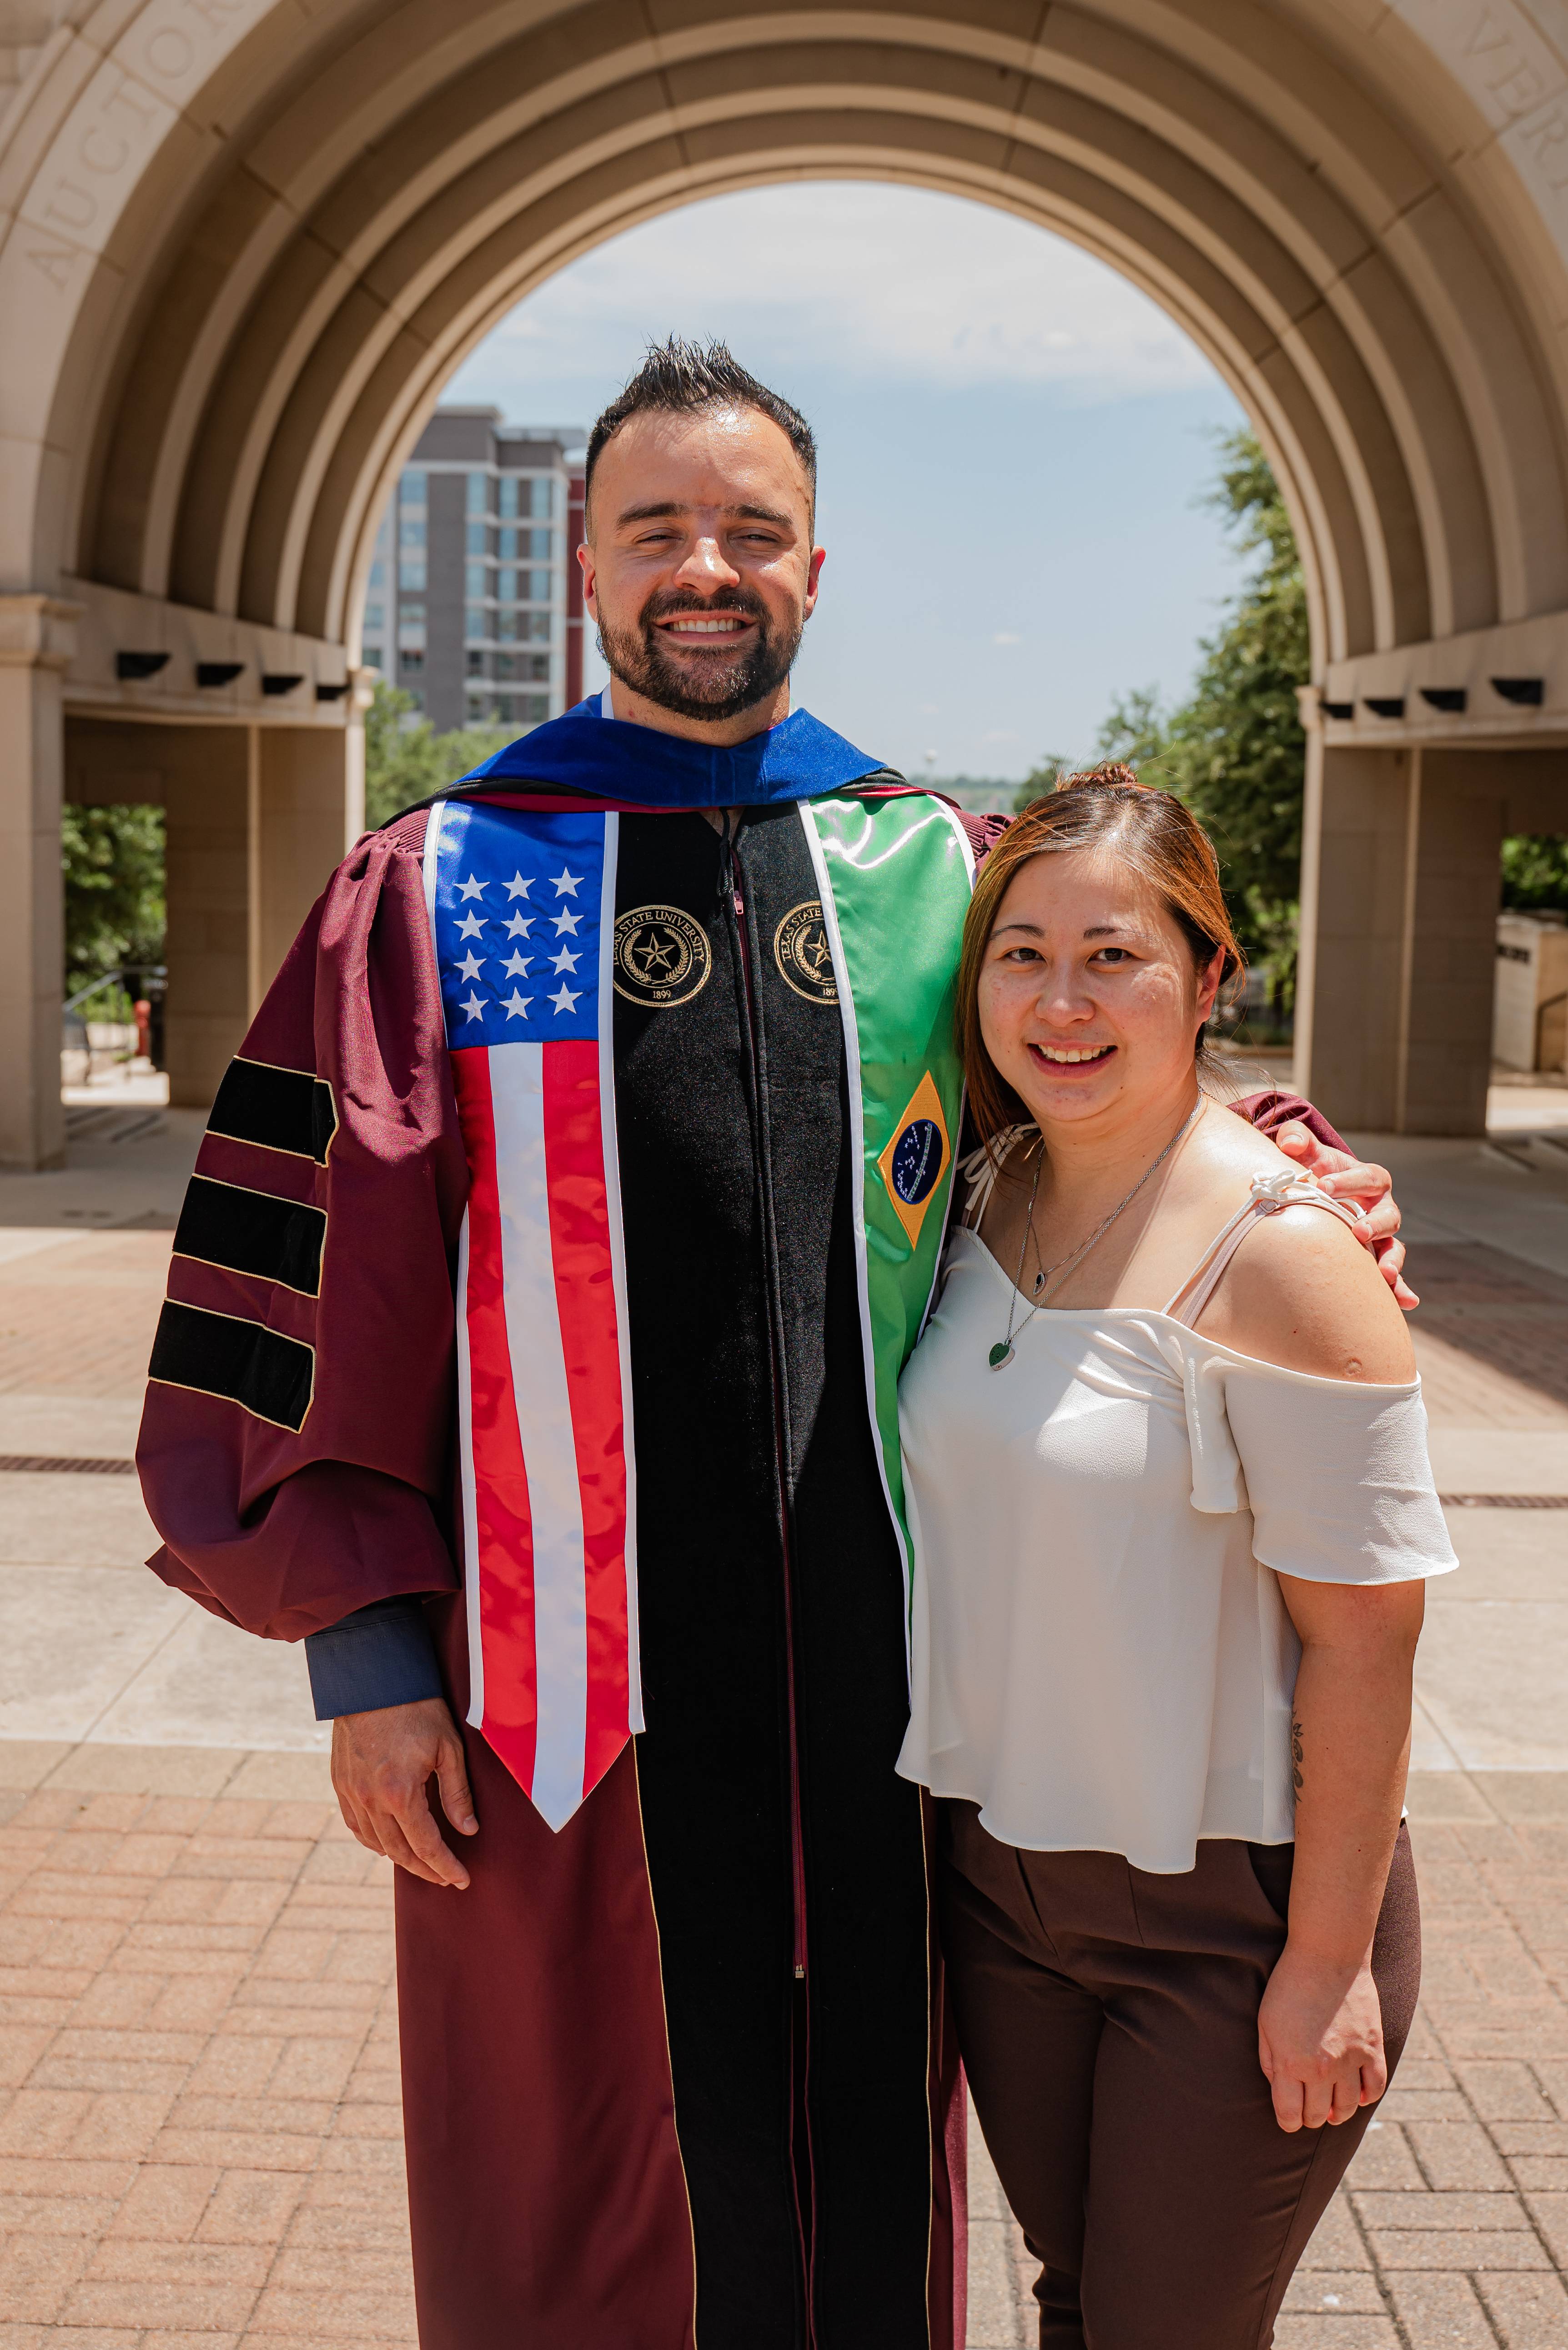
x,y
639,658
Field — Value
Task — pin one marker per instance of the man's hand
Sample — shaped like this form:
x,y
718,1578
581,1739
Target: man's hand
x,y
1365,1187
381,1765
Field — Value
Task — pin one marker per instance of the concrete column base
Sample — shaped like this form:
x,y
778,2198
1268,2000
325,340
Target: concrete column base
x,y
37,639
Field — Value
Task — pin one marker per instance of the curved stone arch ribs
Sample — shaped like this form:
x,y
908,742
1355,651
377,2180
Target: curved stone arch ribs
x,y
128,98
121,105
358,267
1303,187
692,120
1514,74
1232,359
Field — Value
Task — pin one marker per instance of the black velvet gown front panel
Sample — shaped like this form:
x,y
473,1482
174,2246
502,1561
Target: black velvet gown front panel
x,y
771,1602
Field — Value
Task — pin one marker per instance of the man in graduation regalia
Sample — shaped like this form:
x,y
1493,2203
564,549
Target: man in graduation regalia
x,y
534,1325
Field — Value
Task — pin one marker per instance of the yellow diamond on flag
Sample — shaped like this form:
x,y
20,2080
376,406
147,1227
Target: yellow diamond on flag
x,y
916,1159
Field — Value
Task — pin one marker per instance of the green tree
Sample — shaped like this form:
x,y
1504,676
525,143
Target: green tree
x,y
1535,870
112,859
406,760
1235,749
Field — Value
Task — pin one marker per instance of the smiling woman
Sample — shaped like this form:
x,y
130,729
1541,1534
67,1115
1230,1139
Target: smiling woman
x,y
1168,1576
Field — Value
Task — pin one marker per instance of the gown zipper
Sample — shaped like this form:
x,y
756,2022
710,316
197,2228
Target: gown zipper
x,y
797,1864
733,884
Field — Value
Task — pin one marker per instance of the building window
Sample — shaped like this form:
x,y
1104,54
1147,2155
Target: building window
x,y
410,534
408,613
533,667
475,622
543,503
378,573
478,538
371,656
475,663
536,588
478,493
476,580
506,495
411,660
542,546
412,492
522,628
506,545
375,615
411,573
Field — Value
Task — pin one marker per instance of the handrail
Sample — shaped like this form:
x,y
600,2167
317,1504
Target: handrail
x,y
108,978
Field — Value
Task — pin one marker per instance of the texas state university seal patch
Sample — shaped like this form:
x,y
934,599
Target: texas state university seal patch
x,y
662,956
803,955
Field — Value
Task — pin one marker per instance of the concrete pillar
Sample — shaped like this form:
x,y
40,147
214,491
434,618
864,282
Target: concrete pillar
x,y
209,789
1400,887
37,639
309,808
257,820
1450,955
1354,850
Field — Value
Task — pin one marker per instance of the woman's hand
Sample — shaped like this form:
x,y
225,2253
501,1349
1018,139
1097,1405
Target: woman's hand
x,y
1320,2040
1362,1185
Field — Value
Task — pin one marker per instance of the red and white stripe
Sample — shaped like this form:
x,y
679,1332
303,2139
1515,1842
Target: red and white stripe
x,y
544,1407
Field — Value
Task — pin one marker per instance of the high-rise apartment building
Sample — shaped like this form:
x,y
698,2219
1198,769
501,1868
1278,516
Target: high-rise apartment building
x,y
474,602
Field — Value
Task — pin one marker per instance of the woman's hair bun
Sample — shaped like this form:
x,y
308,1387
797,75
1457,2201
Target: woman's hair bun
x,y
1110,774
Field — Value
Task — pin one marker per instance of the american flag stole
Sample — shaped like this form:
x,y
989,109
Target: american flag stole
x,y
522,911
522,908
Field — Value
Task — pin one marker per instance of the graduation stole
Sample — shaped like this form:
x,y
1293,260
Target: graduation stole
x,y
522,908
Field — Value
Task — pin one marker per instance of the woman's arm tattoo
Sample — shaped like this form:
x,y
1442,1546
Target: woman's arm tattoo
x,y
1296,1754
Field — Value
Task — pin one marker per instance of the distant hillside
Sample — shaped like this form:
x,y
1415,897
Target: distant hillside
x,y
983,795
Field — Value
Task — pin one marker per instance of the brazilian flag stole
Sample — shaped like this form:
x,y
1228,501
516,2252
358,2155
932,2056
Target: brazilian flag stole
x,y
895,874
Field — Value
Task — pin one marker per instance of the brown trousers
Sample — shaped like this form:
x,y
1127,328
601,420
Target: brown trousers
x,y
1108,2024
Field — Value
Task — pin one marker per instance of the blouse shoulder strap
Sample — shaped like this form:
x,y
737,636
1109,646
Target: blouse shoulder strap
x,y
982,1168
1286,1188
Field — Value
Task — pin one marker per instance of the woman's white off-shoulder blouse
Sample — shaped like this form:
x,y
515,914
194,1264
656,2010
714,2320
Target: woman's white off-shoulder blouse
x,y
1100,1656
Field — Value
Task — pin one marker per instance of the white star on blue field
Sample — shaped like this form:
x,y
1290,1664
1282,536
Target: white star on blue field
x,y
481,878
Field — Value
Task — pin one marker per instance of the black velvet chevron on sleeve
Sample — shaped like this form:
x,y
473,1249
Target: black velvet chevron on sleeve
x,y
253,1231
282,1110
266,1374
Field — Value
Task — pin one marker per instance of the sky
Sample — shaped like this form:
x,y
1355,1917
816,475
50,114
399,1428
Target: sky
x,y
1014,443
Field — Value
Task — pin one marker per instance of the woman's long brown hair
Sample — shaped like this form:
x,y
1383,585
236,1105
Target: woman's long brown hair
x,y
1153,833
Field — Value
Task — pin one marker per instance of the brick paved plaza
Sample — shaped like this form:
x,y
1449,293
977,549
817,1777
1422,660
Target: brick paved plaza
x,y
199,2139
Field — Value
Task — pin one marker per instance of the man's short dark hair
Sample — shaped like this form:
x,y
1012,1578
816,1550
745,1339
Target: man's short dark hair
x,y
681,380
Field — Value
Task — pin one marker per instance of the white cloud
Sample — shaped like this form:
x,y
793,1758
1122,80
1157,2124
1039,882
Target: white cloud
x,y
890,281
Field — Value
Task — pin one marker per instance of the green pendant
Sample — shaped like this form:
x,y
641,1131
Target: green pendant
x,y
1000,1353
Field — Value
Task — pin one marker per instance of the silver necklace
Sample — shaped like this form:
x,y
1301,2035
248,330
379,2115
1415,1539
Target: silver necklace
x,y
1001,1352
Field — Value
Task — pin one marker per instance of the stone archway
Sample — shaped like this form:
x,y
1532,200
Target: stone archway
x,y
246,241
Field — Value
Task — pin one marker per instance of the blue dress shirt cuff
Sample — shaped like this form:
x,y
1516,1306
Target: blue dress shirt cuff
x,y
381,1655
